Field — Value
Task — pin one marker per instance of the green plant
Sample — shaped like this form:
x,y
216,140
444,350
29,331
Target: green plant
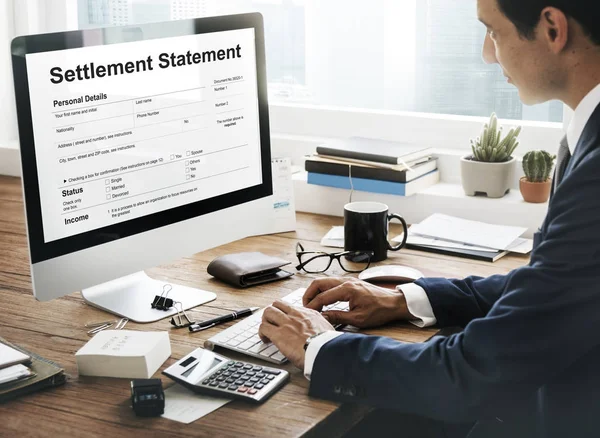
x,y
537,165
490,147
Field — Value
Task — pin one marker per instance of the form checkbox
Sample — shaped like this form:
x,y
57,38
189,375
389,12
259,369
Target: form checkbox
x,y
107,189
187,163
108,197
187,170
187,153
172,157
187,177
107,182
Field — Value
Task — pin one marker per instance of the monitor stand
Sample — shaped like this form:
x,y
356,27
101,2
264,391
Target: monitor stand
x,y
131,297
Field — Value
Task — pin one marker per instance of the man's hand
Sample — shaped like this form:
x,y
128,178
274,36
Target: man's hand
x,y
370,305
288,328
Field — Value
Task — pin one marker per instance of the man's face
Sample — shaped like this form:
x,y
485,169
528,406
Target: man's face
x,y
526,63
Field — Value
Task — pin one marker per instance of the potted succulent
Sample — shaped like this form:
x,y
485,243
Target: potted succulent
x,y
536,184
490,170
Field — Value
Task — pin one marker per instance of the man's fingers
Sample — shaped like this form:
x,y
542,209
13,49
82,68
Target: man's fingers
x,y
266,330
274,316
333,295
338,317
284,307
318,286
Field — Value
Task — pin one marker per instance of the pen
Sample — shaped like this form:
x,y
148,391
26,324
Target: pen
x,y
225,318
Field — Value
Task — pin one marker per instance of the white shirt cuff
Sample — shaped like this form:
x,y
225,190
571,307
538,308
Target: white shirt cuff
x,y
418,305
313,349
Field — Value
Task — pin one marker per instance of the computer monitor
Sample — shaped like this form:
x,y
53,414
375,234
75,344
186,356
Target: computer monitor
x,y
140,145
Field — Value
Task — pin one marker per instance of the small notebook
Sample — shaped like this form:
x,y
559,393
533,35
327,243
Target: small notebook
x,y
47,374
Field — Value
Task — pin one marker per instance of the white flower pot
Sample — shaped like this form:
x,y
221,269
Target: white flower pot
x,y
490,179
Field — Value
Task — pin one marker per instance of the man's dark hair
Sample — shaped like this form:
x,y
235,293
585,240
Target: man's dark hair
x,y
525,14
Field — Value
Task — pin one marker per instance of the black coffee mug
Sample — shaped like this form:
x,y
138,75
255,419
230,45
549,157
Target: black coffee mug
x,y
366,229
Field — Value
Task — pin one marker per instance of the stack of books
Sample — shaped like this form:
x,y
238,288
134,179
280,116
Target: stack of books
x,y
371,165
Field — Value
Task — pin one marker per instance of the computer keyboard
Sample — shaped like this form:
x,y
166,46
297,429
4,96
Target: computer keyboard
x,y
243,336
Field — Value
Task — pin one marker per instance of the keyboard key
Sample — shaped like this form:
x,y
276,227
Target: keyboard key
x,y
246,345
233,343
255,339
259,347
241,338
278,356
269,351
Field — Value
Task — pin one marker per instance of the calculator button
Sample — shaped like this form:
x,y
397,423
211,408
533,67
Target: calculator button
x,y
223,385
239,382
244,378
257,368
242,389
265,381
250,373
220,378
259,386
239,364
206,382
232,388
260,375
270,377
271,371
252,391
213,383
247,367
236,375
227,374
230,380
254,379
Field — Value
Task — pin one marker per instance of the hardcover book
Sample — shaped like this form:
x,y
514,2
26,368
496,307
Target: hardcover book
x,y
374,150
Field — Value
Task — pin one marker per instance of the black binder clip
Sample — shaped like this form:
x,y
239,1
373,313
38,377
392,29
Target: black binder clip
x,y
178,320
161,302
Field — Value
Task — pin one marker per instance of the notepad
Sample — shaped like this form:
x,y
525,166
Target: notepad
x,y
9,356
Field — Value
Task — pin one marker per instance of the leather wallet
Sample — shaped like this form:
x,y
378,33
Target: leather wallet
x,y
246,269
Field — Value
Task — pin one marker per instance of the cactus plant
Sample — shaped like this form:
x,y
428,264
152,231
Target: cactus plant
x,y
537,166
490,147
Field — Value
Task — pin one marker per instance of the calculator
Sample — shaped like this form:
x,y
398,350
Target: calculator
x,y
206,372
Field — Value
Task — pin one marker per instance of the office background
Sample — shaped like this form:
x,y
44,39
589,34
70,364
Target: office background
x,y
402,70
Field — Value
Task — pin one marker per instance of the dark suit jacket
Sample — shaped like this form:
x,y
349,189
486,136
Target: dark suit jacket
x,y
528,360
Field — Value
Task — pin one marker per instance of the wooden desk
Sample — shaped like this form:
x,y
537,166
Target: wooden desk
x,y
100,406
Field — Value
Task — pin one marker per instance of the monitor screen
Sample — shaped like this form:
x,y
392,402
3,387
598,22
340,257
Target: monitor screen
x,y
127,130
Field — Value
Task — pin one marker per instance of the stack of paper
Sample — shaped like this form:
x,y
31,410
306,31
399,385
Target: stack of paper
x,y
461,237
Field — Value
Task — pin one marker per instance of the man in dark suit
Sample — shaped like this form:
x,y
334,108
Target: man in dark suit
x,y
527,363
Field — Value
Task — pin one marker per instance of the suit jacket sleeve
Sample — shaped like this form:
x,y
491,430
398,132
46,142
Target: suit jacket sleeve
x,y
505,354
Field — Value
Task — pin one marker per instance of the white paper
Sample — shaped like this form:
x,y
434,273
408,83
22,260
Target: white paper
x,y
432,241
454,229
279,215
14,373
185,406
334,238
521,246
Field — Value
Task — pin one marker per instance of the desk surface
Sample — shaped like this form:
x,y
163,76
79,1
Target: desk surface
x,y
100,406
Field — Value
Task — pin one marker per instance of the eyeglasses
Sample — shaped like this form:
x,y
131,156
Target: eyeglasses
x,y
316,262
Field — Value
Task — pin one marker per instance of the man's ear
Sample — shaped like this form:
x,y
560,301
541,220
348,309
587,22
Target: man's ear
x,y
554,28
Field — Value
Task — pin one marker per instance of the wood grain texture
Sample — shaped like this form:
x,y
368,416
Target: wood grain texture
x,y
88,406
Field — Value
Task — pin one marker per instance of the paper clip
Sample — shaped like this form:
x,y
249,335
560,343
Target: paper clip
x,y
161,302
179,321
98,326
121,324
